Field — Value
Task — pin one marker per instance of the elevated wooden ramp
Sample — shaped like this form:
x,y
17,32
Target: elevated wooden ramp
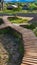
x,y
29,41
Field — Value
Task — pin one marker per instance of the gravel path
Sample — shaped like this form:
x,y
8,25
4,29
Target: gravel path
x,y
9,50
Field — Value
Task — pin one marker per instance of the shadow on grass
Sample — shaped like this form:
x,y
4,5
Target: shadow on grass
x,y
1,21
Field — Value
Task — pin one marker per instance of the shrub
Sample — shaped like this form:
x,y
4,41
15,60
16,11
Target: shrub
x,y
31,26
35,31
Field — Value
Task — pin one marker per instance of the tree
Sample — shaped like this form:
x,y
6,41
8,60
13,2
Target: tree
x,y
2,3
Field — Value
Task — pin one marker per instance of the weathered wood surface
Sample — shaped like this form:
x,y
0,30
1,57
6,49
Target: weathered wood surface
x,y
29,41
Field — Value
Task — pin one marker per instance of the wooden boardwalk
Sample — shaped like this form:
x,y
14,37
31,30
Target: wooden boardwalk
x,y
29,42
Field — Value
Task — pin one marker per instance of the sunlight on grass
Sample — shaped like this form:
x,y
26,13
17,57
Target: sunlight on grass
x,y
18,11
17,20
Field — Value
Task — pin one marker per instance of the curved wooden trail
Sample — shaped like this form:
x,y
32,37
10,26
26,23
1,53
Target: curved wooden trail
x,y
29,41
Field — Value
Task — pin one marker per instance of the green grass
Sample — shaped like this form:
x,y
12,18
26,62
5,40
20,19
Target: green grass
x,y
10,11
35,31
32,8
18,11
29,11
17,20
32,26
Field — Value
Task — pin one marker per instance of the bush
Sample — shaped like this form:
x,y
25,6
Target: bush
x,y
35,31
31,26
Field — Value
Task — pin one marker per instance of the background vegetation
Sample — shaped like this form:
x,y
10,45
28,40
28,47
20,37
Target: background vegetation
x,y
32,8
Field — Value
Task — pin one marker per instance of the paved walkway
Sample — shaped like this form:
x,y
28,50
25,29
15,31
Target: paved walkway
x,y
20,14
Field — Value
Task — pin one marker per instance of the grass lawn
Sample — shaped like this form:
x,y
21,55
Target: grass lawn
x,y
18,20
29,11
20,11
10,11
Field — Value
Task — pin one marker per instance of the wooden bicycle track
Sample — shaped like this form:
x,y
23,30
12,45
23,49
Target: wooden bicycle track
x,y
29,41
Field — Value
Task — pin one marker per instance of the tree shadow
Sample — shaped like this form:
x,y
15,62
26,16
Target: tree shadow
x,y
1,21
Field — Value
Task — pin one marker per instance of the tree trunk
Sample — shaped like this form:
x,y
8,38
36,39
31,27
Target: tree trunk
x,y
2,5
